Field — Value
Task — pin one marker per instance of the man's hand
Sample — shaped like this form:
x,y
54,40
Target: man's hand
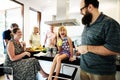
x,y
78,53
82,49
71,59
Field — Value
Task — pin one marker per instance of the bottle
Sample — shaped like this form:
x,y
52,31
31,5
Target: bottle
x,y
54,51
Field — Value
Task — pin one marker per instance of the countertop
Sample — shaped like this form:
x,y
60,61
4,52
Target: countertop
x,y
75,62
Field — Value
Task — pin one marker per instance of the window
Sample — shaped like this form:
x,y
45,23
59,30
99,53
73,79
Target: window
x,y
35,18
2,28
10,12
10,17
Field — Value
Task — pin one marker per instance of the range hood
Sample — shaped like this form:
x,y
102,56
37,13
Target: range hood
x,y
62,17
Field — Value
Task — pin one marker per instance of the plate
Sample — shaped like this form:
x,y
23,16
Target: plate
x,y
40,54
34,52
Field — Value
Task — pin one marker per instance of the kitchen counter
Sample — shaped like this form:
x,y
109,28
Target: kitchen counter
x,y
76,62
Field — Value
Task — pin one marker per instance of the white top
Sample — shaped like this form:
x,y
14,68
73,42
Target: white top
x,y
35,40
51,38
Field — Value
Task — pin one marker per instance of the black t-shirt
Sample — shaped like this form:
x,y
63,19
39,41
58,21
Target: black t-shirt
x,y
6,35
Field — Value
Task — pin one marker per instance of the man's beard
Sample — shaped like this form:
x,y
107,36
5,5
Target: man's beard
x,y
87,18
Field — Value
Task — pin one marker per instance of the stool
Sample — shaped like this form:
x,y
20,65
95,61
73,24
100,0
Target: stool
x,y
63,76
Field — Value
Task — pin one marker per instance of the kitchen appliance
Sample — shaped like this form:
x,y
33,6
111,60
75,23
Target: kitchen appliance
x,y
62,17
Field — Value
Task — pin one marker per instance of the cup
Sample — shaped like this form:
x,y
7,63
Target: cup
x,y
49,51
59,42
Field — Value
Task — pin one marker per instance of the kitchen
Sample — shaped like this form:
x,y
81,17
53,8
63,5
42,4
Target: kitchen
x,y
49,10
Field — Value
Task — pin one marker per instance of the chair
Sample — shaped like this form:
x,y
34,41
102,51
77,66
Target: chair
x,y
63,76
7,72
1,70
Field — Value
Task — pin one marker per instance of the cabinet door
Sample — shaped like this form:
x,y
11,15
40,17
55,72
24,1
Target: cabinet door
x,y
118,75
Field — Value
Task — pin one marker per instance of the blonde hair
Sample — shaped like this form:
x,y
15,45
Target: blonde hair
x,y
35,27
60,29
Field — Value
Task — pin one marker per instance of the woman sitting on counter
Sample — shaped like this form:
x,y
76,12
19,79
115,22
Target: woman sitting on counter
x,y
23,69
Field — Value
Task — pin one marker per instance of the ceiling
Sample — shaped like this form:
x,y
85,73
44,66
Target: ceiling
x,y
74,5
42,4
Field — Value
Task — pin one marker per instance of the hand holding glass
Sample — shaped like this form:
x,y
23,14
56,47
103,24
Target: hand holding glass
x,y
59,42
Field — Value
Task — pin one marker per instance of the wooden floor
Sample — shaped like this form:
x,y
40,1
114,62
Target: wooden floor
x,y
4,77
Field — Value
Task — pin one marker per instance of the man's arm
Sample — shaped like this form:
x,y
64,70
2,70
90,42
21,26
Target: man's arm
x,y
101,50
5,38
6,42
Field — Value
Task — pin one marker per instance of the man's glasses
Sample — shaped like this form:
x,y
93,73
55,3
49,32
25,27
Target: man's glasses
x,y
82,8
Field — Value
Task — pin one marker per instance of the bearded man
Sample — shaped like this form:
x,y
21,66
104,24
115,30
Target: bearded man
x,y
100,43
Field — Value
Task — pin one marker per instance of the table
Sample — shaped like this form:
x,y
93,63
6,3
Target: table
x,y
49,58
75,62
46,58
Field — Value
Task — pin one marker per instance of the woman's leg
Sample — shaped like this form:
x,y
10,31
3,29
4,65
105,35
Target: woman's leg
x,y
35,66
43,73
58,65
53,67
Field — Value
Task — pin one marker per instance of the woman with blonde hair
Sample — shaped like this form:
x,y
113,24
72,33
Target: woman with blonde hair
x,y
35,37
65,50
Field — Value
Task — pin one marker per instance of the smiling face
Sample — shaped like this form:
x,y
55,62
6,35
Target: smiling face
x,y
62,32
17,33
36,29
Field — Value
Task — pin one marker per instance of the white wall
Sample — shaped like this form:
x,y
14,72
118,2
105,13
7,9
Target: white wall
x,y
27,5
46,16
109,7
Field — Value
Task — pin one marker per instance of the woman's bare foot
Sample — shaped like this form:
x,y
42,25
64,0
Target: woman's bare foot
x,y
50,77
45,75
55,78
